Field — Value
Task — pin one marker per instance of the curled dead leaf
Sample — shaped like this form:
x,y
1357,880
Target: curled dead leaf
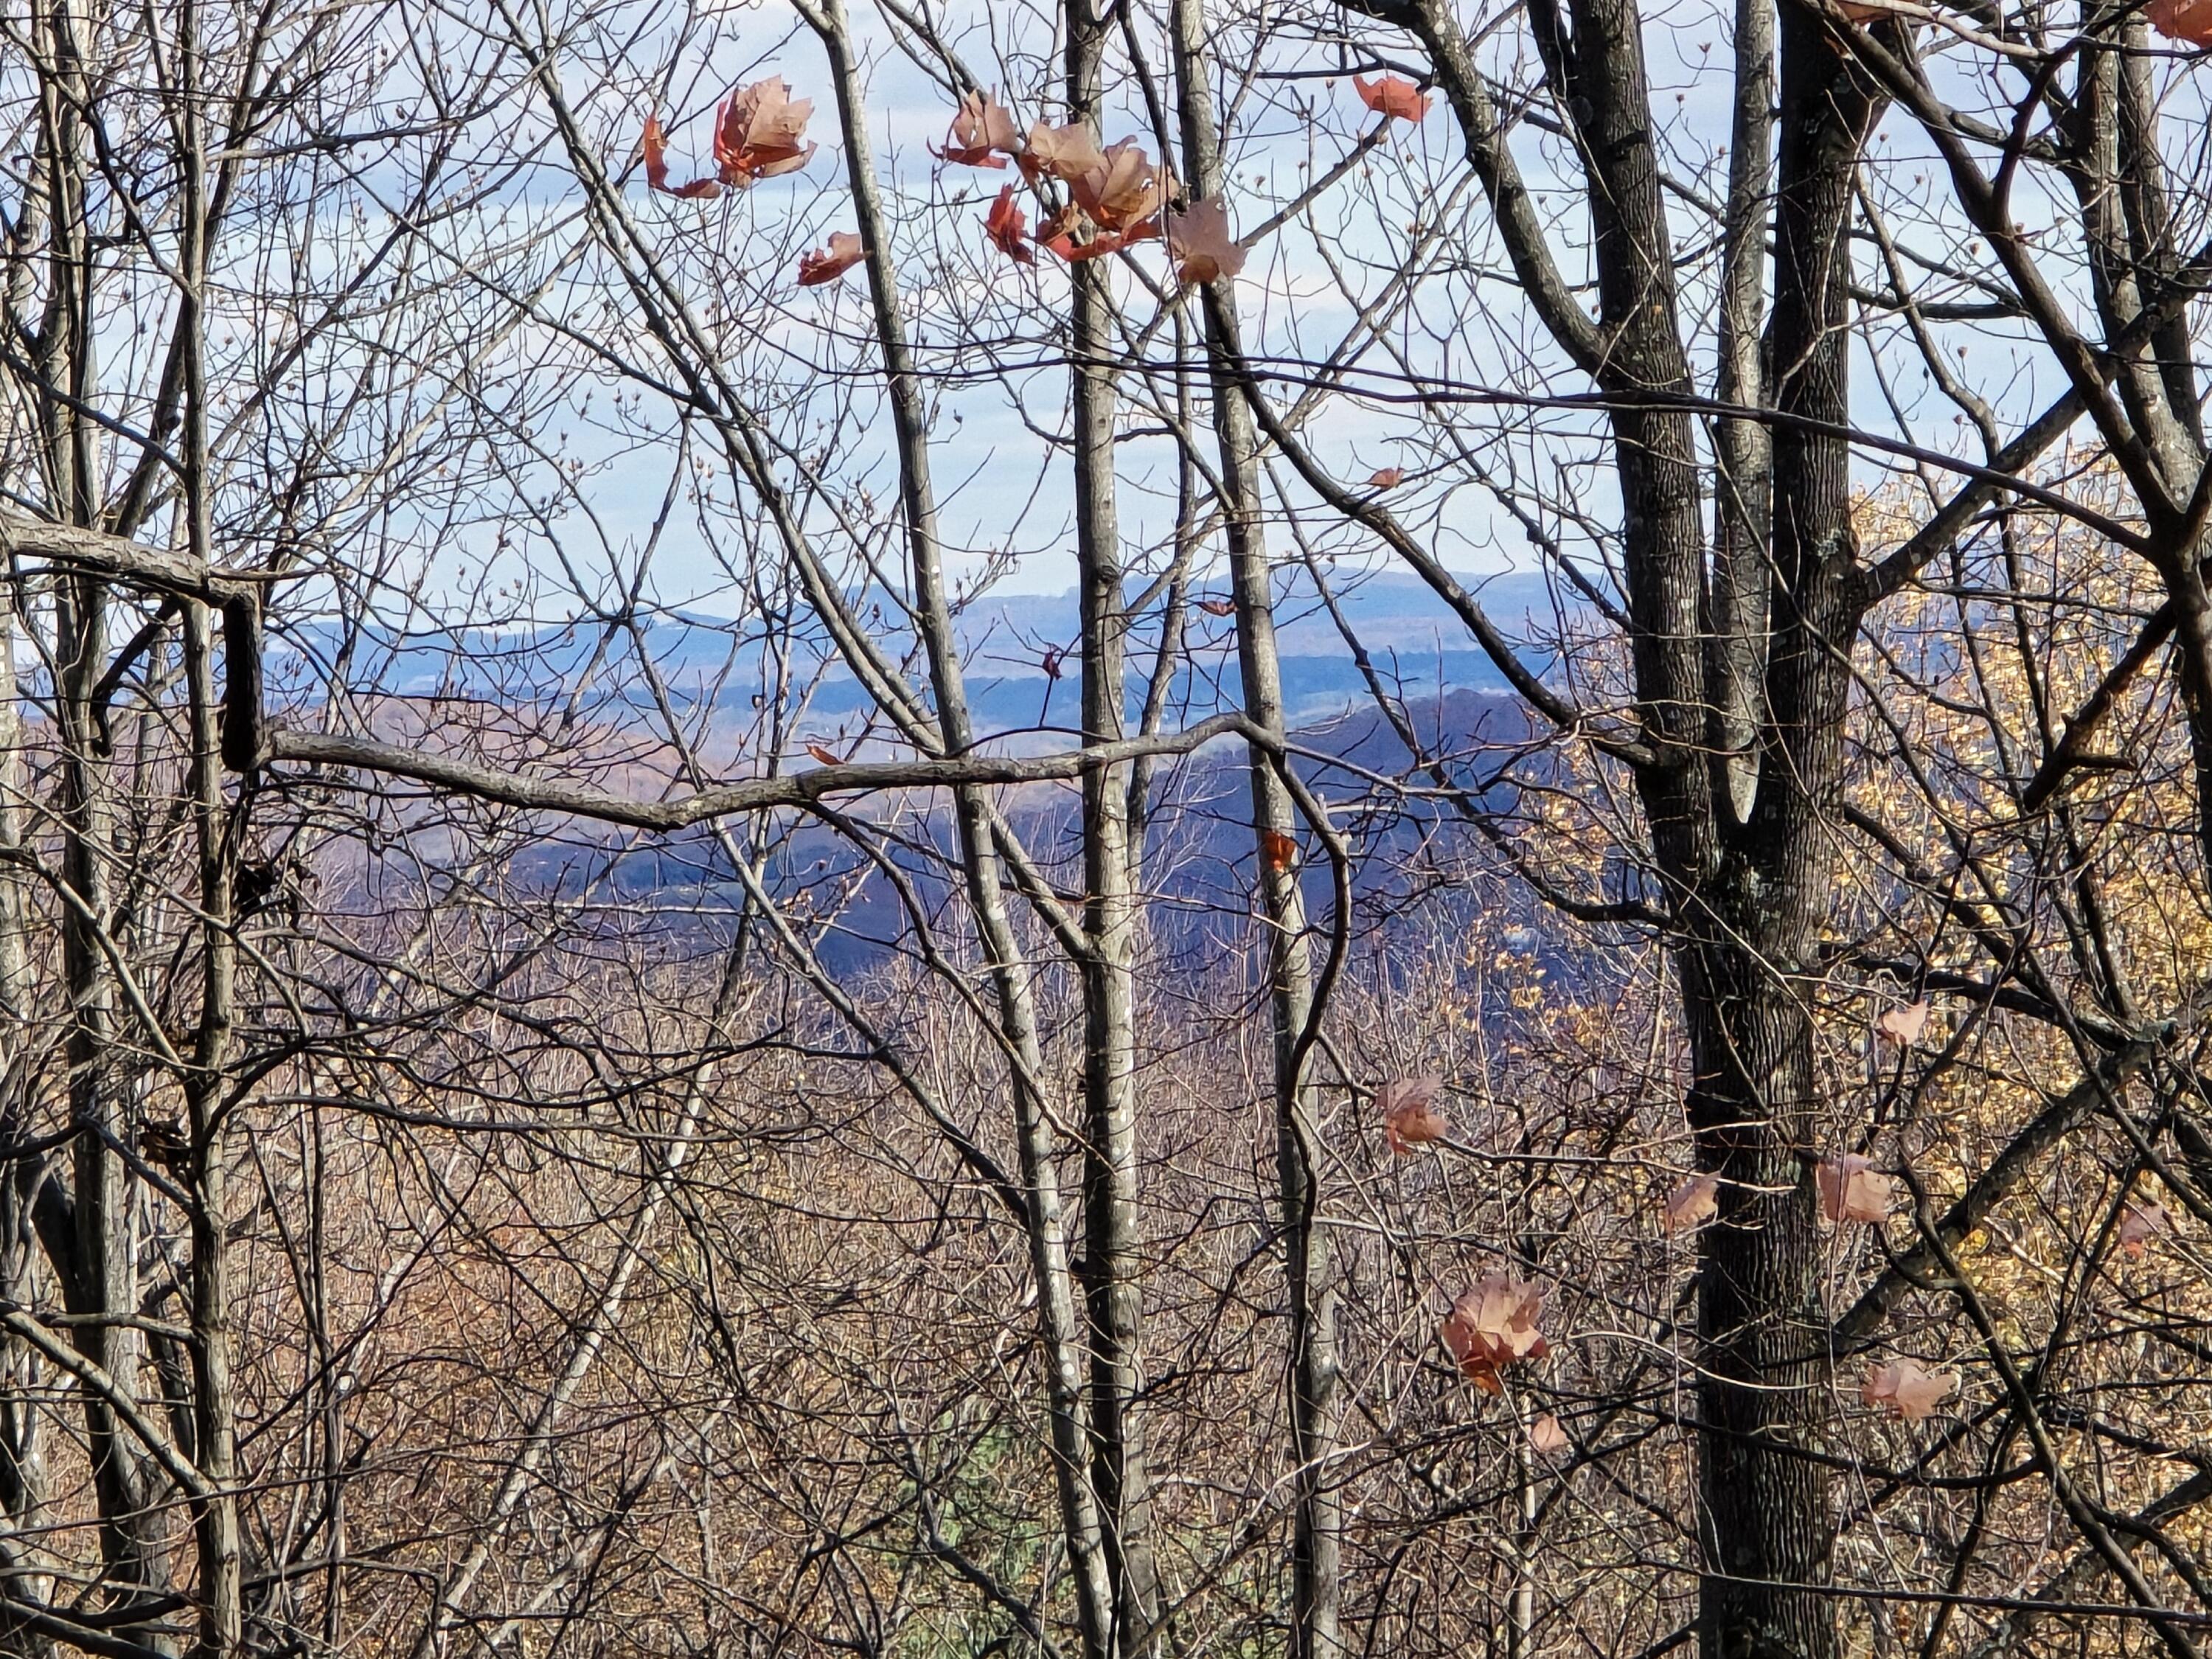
x,y
1852,1189
2188,20
1690,1204
655,144
1410,1117
1545,1435
827,264
1902,1026
982,133
1392,96
1065,152
1492,1326
1059,232
1007,227
758,133
1199,242
1122,188
1907,1389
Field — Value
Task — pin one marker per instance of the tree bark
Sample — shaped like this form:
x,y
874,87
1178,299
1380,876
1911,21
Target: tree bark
x,y
1766,1511
1113,1257
1089,1520
1316,1589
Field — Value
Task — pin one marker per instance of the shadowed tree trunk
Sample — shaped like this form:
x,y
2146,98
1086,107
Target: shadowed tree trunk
x,y
1767,1511
1740,666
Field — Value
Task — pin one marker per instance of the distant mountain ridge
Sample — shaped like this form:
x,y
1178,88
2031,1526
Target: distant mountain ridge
x,y
1019,649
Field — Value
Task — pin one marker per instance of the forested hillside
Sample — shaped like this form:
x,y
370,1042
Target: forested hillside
x,y
1089,830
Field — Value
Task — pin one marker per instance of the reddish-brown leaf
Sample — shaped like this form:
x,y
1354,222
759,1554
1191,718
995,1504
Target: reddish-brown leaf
x,y
1121,190
2182,20
1410,1117
824,753
1279,851
1908,1389
1492,1326
1392,96
1852,1189
656,168
1006,228
827,264
759,132
981,134
1059,234
1218,607
1066,153
1690,1204
1200,243
1387,478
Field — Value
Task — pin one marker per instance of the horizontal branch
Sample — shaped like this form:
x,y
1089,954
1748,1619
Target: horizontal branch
x,y
37,1617
96,553
584,800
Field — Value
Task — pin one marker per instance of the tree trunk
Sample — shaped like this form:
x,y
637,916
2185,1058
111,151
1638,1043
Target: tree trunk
x,y
1747,974
1088,1517
1113,1264
1309,1274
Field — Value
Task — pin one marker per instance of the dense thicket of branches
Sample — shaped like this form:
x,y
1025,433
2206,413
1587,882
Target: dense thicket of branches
x,y
572,1081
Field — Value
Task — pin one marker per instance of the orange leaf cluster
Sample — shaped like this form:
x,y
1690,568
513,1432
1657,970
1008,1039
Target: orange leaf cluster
x,y
2189,21
1851,1189
1392,97
1123,189
1907,1389
757,133
1410,1116
1114,193
1492,1326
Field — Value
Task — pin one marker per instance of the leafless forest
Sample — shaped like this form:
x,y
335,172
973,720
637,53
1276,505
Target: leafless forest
x,y
1105,828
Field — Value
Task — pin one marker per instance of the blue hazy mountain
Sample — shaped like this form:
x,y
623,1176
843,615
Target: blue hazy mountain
x,y
1020,650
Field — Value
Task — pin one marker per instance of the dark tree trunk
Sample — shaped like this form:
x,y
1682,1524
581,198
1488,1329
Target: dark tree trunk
x,y
1766,1520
